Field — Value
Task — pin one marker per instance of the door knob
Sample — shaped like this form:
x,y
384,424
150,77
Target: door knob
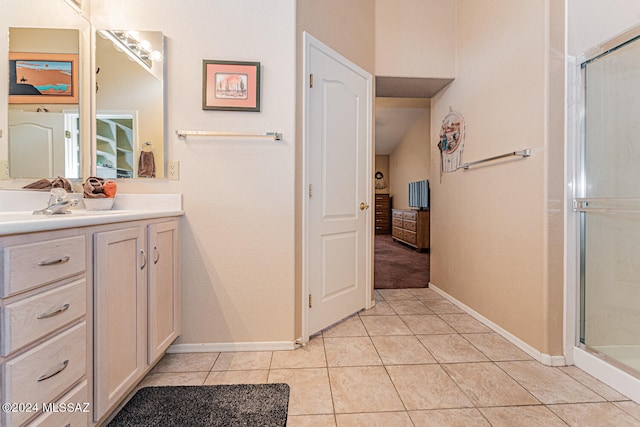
x,y
363,206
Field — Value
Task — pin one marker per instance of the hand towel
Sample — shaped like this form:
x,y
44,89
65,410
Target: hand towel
x,y
146,165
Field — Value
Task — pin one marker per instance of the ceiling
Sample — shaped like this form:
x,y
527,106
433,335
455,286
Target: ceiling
x,y
400,103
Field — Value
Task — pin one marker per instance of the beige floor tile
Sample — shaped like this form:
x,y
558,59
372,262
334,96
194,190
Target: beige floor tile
x,y
426,387
396,294
385,325
309,394
185,362
173,378
427,324
441,306
402,350
311,421
409,307
377,295
631,408
425,293
350,327
308,356
363,389
382,308
237,377
522,416
351,351
550,385
594,415
243,360
495,347
464,323
488,385
451,348
374,419
466,417
599,387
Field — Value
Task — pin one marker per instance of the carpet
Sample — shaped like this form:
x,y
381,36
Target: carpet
x,y
397,265
263,405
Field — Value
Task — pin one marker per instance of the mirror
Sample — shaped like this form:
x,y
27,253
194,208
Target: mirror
x,y
129,104
44,112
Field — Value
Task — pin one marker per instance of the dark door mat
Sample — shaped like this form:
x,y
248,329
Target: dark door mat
x,y
263,405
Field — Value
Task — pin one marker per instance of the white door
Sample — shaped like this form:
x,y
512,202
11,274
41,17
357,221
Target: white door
x,y
337,260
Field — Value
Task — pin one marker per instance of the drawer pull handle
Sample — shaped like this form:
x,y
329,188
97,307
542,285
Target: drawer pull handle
x,y
54,313
144,259
56,372
155,261
54,262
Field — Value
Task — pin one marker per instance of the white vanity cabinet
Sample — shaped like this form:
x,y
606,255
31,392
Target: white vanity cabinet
x,y
136,305
43,340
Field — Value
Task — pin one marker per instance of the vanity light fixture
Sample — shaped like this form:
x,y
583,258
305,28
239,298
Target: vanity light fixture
x,y
129,42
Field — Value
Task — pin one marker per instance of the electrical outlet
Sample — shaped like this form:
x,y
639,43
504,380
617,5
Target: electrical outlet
x,y
173,170
4,169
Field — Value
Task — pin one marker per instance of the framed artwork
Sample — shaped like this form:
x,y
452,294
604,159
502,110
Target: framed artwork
x,y
43,78
231,85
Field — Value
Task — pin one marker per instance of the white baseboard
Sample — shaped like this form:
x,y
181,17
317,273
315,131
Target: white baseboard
x,y
232,346
545,359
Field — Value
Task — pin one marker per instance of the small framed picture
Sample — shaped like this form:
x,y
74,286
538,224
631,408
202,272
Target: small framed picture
x,y
231,85
43,78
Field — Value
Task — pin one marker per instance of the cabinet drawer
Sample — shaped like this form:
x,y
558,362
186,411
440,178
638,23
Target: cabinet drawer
x,y
46,371
397,232
412,215
397,222
409,237
75,399
409,225
31,265
397,214
27,320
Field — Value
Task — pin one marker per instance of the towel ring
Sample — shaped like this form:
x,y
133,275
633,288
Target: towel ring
x,y
147,146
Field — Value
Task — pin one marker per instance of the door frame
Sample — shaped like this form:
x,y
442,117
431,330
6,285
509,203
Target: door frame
x,y
309,41
574,184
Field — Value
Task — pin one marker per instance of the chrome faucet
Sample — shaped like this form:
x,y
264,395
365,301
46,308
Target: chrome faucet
x,y
58,203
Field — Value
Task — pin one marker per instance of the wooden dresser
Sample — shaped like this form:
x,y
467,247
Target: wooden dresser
x,y
383,214
411,227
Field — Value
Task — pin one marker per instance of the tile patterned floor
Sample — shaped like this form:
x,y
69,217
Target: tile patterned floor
x,y
413,360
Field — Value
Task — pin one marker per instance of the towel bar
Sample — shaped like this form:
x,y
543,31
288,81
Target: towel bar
x,y
182,134
522,153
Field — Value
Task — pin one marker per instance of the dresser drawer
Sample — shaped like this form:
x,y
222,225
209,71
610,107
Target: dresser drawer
x,y
397,222
409,237
27,320
396,214
44,372
78,416
412,215
409,225
31,265
397,232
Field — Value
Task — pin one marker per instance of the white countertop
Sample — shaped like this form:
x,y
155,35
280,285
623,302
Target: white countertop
x,y
16,211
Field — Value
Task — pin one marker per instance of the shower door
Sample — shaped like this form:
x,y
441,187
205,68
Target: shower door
x,y
609,207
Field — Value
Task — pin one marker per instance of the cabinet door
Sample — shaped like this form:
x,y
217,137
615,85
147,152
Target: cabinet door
x,y
120,314
163,288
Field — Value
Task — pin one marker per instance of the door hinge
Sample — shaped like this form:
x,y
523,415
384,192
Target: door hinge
x,y
311,80
310,190
310,301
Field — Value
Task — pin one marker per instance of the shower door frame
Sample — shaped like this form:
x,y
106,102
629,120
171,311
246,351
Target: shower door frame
x,y
603,368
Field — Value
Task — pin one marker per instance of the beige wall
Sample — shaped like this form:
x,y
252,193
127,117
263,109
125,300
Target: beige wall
x,y
496,243
415,38
410,161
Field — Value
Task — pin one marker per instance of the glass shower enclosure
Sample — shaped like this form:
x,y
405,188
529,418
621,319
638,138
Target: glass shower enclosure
x,y
609,207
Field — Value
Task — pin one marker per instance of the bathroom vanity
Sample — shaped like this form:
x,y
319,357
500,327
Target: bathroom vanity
x,y
89,302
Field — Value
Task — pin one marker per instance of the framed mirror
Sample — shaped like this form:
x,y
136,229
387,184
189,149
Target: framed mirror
x,y
129,91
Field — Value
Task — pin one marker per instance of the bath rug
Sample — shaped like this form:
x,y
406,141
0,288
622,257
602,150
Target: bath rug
x,y
263,405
